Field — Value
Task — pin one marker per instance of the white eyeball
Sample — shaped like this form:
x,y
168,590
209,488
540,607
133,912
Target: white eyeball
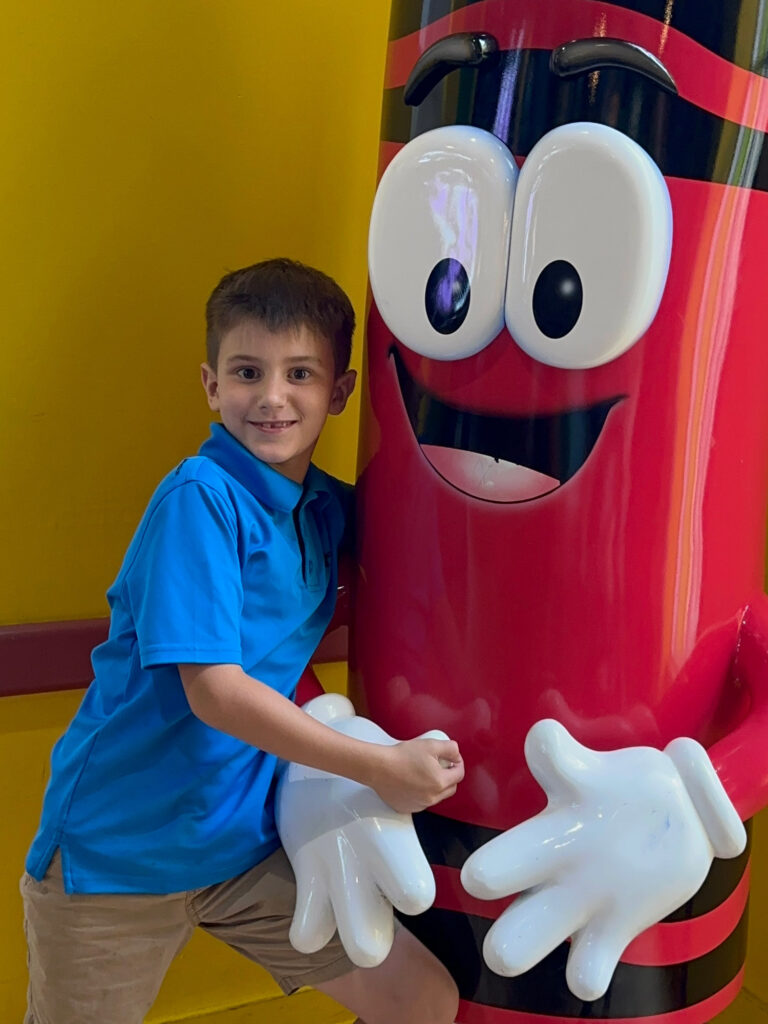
x,y
439,239
589,248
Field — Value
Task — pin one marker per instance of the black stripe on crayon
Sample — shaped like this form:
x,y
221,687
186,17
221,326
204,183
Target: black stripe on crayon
x,y
519,99
736,30
635,991
448,843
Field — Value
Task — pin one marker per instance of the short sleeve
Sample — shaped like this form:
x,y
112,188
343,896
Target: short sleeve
x,y
183,585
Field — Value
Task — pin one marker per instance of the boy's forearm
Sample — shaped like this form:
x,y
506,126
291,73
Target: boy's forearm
x,y
226,698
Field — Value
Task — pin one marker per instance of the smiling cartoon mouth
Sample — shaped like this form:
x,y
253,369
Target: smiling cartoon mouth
x,y
500,458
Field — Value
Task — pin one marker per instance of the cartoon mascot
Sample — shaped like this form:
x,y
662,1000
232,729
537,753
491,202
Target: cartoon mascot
x,y
562,490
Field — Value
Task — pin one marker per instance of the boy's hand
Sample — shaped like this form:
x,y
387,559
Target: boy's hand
x,y
354,855
418,774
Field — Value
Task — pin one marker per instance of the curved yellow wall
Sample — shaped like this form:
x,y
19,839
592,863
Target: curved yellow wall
x,y
148,148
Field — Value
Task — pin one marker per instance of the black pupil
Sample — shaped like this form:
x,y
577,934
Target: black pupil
x,y
557,299
446,296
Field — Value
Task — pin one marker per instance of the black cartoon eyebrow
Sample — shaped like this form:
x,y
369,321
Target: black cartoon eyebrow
x,y
583,55
471,49
464,49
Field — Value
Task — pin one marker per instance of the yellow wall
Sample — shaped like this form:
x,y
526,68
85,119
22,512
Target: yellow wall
x,y
207,976
147,148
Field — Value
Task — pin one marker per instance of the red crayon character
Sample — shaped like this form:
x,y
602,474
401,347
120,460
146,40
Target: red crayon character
x,y
563,488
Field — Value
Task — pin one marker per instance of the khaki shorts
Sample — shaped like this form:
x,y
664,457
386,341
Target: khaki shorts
x,y
100,959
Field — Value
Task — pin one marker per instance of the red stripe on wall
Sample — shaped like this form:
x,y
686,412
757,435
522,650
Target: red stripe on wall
x,y
670,943
473,1013
702,77
44,657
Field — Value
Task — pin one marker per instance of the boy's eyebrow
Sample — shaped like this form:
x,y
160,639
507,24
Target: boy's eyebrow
x,y
244,357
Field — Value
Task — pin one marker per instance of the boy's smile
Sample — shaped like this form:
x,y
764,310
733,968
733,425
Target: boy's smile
x,y
274,390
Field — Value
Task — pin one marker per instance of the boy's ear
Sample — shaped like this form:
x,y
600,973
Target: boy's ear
x,y
342,389
210,385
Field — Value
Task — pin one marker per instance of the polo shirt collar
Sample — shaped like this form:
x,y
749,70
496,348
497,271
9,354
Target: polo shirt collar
x,y
264,483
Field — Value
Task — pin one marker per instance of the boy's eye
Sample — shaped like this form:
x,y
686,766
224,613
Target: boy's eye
x,y
300,373
246,373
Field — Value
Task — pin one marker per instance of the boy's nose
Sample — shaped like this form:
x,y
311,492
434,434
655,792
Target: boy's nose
x,y
272,395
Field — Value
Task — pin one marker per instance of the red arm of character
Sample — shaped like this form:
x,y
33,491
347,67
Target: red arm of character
x,y
628,834
740,758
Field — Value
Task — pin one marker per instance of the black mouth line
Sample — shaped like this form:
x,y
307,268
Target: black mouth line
x,y
556,445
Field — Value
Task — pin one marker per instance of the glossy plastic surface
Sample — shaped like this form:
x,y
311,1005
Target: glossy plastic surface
x,y
627,837
609,601
584,544
353,856
591,199
444,202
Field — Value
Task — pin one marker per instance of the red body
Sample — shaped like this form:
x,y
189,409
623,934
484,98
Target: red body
x,y
614,602
627,603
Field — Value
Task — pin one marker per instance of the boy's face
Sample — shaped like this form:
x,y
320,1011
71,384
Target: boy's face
x,y
274,391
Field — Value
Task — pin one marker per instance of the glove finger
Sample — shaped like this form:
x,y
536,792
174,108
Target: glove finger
x,y
398,865
533,926
723,825
329,707
559,763
434,734
363,916
526,855
594,954
313,924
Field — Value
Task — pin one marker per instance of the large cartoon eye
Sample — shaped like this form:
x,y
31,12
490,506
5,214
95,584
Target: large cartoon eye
x,y
439,238
589,249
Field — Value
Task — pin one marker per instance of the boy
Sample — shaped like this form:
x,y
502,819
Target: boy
x,y
159,813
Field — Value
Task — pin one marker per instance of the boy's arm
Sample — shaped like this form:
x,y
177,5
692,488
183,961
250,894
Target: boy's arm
x,y
408,776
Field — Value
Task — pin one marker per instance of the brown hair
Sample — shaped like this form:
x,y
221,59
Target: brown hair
x,y
280,294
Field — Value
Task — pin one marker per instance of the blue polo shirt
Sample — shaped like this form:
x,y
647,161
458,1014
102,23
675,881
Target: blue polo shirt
x,y
231,563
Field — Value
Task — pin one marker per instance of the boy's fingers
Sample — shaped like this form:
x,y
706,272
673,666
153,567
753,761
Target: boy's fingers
x,y
453,774
447,779
444,794
446,751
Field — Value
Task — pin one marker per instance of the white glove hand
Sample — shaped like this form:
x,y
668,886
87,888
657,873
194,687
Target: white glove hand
x,y
627,837
354,857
